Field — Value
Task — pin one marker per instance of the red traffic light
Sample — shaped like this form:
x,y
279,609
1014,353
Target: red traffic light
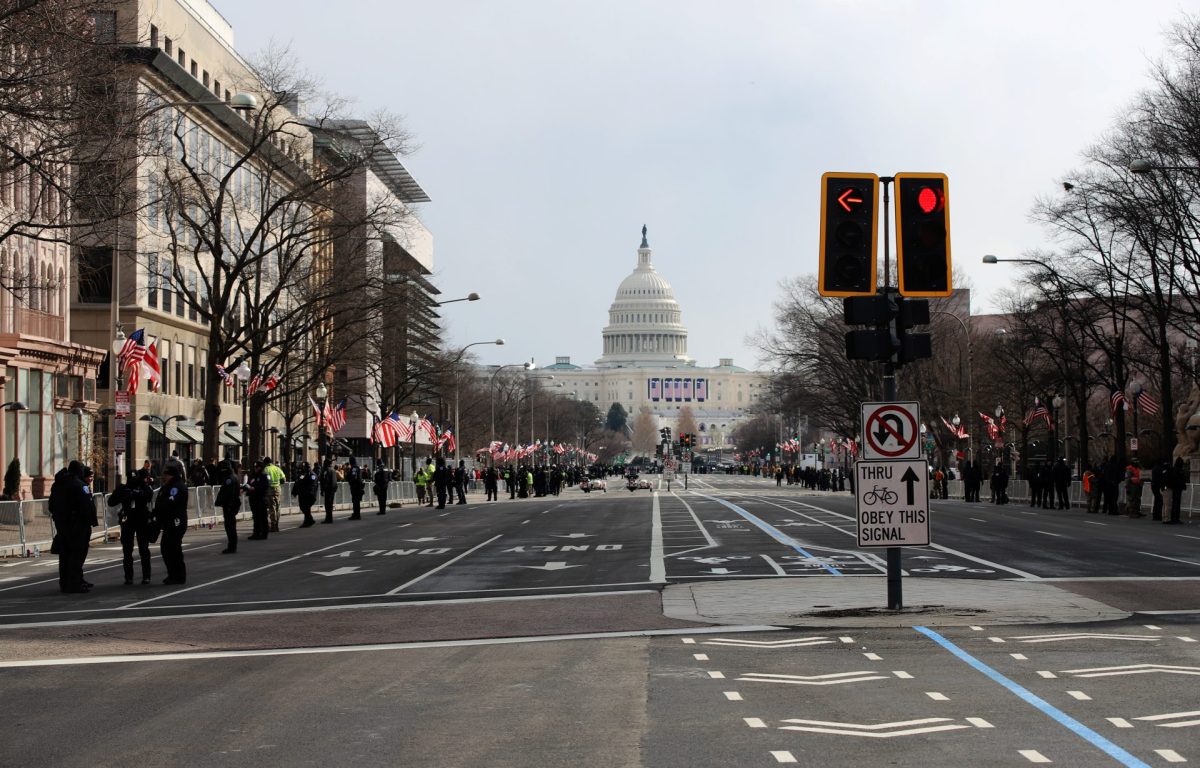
x,y
930,200
849,198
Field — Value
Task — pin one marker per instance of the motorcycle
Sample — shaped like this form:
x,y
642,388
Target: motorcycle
x,y
631,482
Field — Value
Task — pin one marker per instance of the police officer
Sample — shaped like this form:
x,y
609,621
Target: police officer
x,y
71,507
381,479
442,479
460,481
134,500
229,499
329,483
420,480
170,510
358,485
258,491
305,490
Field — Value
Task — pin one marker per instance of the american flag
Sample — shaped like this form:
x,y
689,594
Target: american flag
x,y
151,368
224,374
993,429
1117,398
335,418
430,431
386,432
1039,411
272,382
404,430
959,432
1148,404
255,383
133,349
449,441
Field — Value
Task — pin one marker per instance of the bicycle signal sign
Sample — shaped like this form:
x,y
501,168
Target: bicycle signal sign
x,y
891,501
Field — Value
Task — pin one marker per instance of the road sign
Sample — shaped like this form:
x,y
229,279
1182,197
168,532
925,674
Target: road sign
x,y
892,503
890,430
686,466
118,442
119,427
122,403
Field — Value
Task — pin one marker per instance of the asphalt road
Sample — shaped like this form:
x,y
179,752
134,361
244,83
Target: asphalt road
x,y
531,633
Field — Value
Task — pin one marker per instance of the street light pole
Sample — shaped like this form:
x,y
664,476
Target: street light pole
x,y
412,420
492,391
322,393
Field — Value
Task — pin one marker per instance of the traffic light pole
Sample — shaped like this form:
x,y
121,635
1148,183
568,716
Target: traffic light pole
x,y
895,587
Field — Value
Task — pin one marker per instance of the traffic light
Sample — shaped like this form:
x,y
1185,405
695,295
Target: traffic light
x,y
849,234
923,234
912,345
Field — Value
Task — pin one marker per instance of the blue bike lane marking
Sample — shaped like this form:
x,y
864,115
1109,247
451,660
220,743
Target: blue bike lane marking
x,y
1062,718
769,529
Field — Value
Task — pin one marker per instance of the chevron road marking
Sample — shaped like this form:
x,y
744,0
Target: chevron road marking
x,y
879,731
799,642
1084,636
1170,755
1132,669
833,679
1157,719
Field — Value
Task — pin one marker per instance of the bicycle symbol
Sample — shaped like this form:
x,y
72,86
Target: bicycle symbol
x,y
950,569
879,495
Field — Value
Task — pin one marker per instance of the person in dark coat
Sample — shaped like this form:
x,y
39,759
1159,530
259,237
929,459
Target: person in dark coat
x,y
1177,480
71,508
1062,483
358,486
170,511
257,489
229,500
305,490
1111,476
134,499
1000,483
329,484
442,480
460,481
1158,484
491,483
380,487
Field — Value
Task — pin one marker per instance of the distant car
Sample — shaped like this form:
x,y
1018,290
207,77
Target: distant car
x,y
643,483
594,484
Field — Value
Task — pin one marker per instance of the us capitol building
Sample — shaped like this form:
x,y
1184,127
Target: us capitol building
x,y
646,363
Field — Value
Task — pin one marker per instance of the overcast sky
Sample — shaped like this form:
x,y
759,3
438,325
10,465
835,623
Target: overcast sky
x,y
551,130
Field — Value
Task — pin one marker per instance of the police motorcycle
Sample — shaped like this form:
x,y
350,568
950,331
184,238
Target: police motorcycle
x,y
631,481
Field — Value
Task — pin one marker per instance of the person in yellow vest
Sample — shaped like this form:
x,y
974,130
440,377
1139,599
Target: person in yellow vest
x,y
277,478
1133,489
421,479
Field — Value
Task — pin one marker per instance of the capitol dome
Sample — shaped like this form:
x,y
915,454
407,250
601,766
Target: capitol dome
x,y
645,326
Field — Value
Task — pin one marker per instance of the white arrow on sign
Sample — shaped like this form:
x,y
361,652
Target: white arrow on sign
x,y
571,535
340,571
555,566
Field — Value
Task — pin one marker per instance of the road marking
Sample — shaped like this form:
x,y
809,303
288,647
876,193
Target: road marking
x,y
1133,669
996,639
832,679
1047,533
846,639
1173,716
1174,559
979,722
1019,656
1048,675
1079,696
976,629
1185,638
1152,627
873,656
976,519
733,696
700,656
783,757
1120,722
1062,718
1170,755
906,727
1185,536
1093,522
1032,755
446,564
716,675
766,528
799,642
902,675
176,592
937,696
1084,636
754,722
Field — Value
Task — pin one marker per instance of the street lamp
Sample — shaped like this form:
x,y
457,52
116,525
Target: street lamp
x,y
1056,403
162,422
321,394
469,297
492,391
243,374
461,352
412,422
1135,389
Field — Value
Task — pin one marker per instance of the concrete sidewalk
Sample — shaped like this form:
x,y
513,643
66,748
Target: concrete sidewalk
x,y
861,601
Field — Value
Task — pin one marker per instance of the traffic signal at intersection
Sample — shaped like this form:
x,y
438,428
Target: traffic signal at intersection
x,y
923,234
849,234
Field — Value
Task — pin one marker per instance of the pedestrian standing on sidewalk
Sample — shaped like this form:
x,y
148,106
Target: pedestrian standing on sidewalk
x,y
1178,481
460,481
277,478
329,483
170,511
1158,485
358,486
381,480
1062,483
421,480
1133,489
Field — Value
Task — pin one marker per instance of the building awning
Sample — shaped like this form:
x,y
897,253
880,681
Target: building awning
x,y
231,435
172,433
194,431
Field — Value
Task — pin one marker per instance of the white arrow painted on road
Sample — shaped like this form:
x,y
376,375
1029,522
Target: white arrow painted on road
x,y
424,539
340,571
571,535
555,566
834,679
1133,669
930,725
719,571
793,643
